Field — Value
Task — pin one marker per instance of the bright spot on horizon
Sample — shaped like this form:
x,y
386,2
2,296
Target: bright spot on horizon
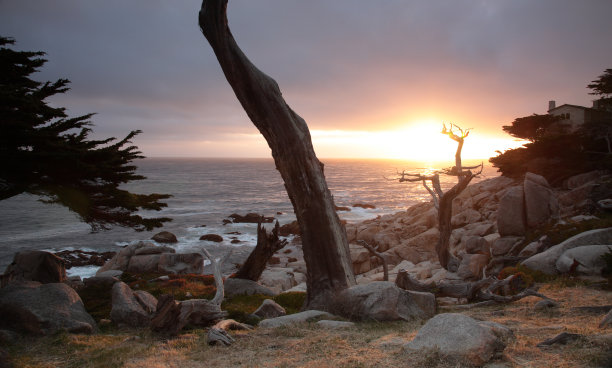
x,y
419,141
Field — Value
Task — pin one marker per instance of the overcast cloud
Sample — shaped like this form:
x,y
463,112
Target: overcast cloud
x,y
341,64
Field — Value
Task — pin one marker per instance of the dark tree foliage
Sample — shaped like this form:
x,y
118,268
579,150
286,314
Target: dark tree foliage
x,y
529,127
603,84
558,156
45,152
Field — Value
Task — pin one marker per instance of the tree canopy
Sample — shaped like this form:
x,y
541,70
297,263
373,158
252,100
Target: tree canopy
x,y
529,127
559,155
603,84
45,152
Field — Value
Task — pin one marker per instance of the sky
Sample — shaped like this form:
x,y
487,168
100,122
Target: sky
x,y
372,79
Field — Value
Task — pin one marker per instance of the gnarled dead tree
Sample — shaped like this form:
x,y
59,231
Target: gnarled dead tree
x,y
324,241
267,245
443,201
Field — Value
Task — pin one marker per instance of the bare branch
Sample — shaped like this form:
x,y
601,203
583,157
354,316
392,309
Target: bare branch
x,y
379,255
216,266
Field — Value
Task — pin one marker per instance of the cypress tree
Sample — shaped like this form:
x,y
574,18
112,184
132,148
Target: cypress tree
x,y
45,152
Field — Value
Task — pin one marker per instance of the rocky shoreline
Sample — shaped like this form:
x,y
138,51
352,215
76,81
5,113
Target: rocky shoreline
x,y
493,219
496,223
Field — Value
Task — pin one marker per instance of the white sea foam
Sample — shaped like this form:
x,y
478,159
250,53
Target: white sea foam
x,y
83,271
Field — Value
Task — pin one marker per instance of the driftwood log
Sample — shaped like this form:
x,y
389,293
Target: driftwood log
x,y
325,246
483,291
219,333
267,245
172,315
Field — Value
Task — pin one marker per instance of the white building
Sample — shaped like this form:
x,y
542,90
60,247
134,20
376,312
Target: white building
x,y
571,117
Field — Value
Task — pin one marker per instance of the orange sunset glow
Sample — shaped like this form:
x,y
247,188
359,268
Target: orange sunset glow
x,y
371,81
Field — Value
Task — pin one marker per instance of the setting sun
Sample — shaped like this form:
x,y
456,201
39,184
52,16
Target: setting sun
x,y
418,141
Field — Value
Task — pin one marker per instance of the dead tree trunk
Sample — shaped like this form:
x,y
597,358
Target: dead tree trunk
x,y
325,246
445,214
444,201
267,245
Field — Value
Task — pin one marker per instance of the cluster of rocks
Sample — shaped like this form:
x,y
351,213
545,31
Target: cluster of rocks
x,y
490,222
145,257
35,300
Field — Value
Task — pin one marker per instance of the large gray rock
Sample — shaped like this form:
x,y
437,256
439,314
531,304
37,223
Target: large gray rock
x,y
145,257
476,245
121,260
181,263
468,216
43,309
126,310
146,300
165,237
582,179
547,261
269,309
302,317
36,265
541,205
278,279
502,246
511,213
233,287
383,301
460,336
471,266
143,263
589,258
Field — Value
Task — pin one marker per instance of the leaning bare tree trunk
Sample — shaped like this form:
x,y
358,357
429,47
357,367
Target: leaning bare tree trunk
x,y
267,245
325,246
445,214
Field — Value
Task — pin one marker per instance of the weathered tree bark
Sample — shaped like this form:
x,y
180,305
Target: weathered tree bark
x,y
445,214
325,246
483,290
267,245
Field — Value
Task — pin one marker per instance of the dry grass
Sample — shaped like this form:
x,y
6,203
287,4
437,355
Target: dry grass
x,y
366,345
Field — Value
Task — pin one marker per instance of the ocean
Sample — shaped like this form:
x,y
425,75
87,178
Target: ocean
x,y
206,191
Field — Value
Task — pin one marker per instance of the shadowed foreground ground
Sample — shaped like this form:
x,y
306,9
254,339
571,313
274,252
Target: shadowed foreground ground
x,y
368,344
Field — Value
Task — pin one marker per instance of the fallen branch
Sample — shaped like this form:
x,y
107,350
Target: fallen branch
x,y
484,291
219,332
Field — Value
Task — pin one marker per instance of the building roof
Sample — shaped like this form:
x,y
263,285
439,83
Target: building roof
x,y
569,105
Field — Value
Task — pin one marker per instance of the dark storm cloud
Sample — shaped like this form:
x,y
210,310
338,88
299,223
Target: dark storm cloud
x,y
342,64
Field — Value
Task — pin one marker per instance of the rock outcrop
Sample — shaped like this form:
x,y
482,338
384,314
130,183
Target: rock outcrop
x,y
585,260
383,301
126,308
145,257
547,261
43,309
269,309
290,319
461,337
35,265
165,237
